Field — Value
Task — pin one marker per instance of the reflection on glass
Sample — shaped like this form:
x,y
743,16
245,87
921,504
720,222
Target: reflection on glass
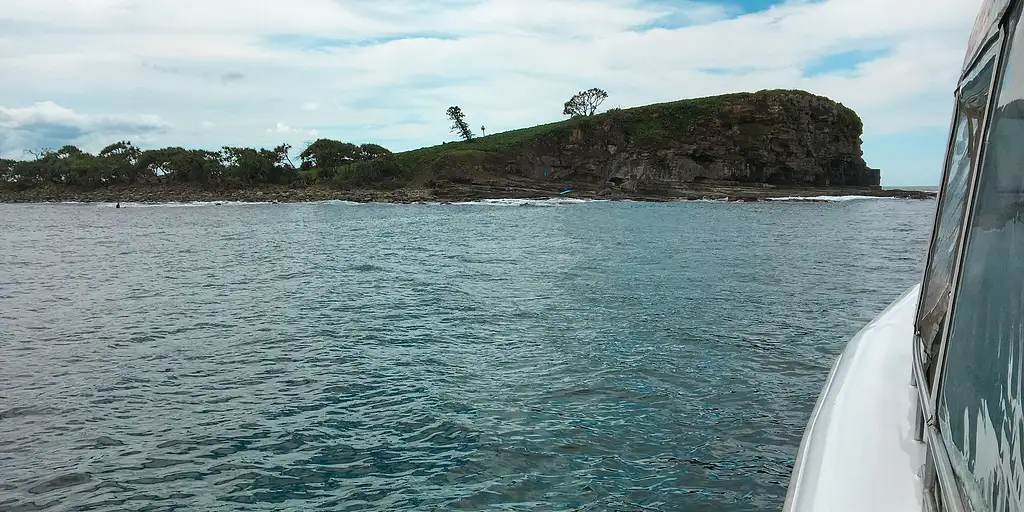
x,y
980,410
962,164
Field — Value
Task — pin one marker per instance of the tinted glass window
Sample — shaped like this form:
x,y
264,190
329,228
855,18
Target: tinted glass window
x,y
980,409
962,163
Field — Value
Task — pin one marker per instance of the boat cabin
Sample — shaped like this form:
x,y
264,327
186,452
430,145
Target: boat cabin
x,y
924,410
969,331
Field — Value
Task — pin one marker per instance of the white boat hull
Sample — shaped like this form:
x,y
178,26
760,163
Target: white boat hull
x,y
858,452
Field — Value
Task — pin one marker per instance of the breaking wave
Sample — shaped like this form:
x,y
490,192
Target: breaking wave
x,y
557,201
172,204
827,199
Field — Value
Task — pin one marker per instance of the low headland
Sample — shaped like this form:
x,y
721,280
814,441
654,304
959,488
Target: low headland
x,y
742,147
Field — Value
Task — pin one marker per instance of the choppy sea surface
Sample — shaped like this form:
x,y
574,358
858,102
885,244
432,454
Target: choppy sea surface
x,y
331,356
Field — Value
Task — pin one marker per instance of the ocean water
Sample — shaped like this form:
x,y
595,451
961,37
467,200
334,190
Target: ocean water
x,y
331,356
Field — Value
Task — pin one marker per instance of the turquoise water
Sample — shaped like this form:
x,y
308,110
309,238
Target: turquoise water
x,y
599,356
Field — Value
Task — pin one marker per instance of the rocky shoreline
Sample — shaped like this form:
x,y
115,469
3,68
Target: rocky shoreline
x,y
163,193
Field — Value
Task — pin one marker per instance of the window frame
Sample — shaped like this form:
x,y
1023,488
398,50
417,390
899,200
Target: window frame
x,y
938,472
1000,41
919,345
947,168
995,42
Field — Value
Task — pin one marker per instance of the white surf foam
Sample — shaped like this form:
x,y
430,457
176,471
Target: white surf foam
x,y
829,199
336,202
555,201
190,204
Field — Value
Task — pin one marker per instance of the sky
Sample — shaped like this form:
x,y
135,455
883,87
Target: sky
x,y
213,73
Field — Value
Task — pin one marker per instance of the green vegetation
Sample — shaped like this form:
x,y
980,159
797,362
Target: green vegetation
x,y
344,165
646,126
852,124
324,162
649,127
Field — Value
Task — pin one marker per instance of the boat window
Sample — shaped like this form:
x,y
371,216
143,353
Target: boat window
x,y
961,164
981,413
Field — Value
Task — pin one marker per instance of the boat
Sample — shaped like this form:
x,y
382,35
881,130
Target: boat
x,y
924,408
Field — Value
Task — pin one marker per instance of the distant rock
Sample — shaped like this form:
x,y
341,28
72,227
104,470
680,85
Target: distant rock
x,y
779,138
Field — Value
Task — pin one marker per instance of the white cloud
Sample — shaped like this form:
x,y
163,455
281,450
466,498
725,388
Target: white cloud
x,y
386,71
281,128
48,113
290,131
49,125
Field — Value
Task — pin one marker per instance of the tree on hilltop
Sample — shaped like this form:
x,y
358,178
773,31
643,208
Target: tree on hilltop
x,y
459,124
585,103
327,153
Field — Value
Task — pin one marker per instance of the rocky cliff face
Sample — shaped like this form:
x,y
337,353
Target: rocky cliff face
x,y
780,138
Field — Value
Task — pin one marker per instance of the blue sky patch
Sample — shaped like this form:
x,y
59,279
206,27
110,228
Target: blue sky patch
x,y
726,71
749,6
308,43
687,13
843,62
908,159
304,42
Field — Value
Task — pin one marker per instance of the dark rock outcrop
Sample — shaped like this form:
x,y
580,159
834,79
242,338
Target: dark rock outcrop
x,y
768,138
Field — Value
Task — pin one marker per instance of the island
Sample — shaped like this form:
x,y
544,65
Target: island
x,y
740,147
